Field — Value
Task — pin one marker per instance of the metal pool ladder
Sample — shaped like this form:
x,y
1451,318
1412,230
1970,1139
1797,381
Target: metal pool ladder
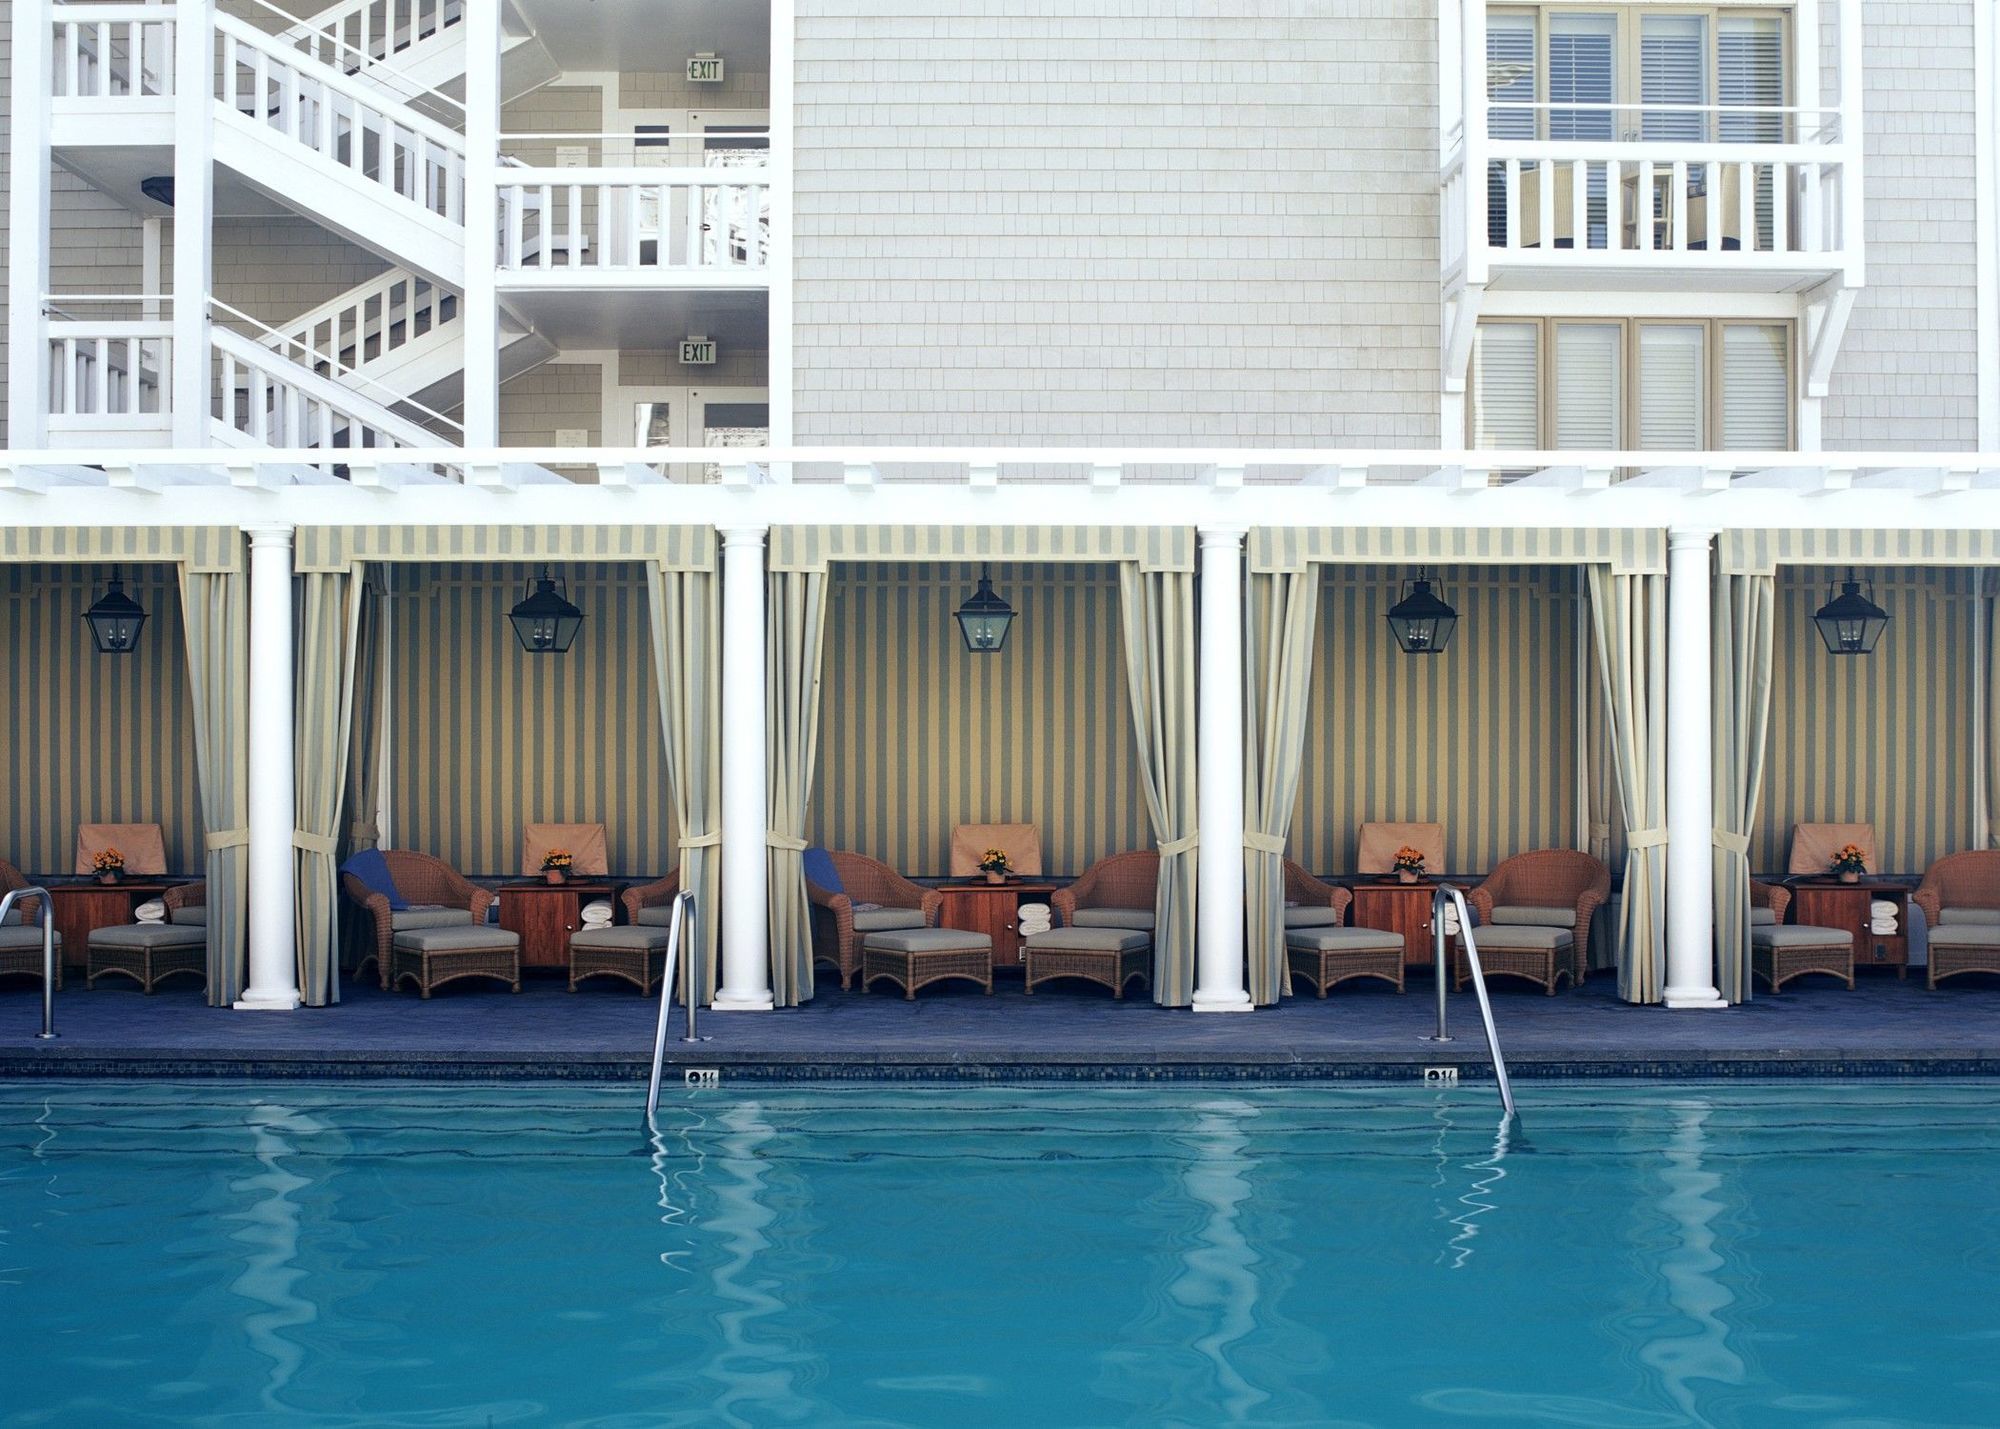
x,y
48,1031
681,924
1448,895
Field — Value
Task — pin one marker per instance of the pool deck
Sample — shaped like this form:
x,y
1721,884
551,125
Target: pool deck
x,y
1884,1028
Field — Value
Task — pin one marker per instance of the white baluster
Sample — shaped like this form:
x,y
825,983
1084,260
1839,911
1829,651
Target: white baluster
x,y
1579,208
1511,182
572,223
1614,207
1678,205
1647,233
1781,199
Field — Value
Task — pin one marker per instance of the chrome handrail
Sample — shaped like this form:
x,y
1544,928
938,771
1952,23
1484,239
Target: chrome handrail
x,y
1448,894
682,918
48,1031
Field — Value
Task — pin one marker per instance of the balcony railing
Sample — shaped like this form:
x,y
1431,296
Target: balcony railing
x,y
111,55
109,376
708,222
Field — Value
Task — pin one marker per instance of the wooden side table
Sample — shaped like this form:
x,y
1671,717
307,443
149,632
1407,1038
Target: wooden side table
x,y
545,914
1824,903
995,910
1403,908
83,905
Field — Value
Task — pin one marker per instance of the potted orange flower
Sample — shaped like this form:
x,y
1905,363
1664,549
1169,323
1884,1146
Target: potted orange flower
x,y
1850,863
108,865
995,865
1408,865
556,864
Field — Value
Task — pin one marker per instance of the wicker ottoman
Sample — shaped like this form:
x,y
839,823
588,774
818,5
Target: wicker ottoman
x,y
1110,957
636,952
436,956
915,957
148,953
1328,955
21,951
1959,948
1537,954
1780,952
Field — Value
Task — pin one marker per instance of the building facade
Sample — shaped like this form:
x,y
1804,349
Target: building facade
x,y
1634,323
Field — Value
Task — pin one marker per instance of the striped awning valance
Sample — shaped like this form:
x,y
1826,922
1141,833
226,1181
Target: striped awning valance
x,y
1638,552
210,550
812,548
335,548
1762,552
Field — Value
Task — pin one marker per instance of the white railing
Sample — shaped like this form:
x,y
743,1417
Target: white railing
x,y
703,147
324,372
635,220
112,52
359,36
271,402
106,373
342,119
365,323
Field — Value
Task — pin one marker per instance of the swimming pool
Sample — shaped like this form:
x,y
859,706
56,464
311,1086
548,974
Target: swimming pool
x,y
395,1253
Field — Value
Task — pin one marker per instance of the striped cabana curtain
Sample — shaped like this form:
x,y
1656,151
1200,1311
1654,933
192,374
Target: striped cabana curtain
x,y
1281,616
364,749
215,609
1629,617
328,621
1157,611
794,642
1744,612
687,655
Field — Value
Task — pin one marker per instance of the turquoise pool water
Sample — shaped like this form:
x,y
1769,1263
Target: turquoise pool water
x,y
434,1255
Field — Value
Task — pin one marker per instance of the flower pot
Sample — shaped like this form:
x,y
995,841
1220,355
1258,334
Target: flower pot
x,y
107,878
996,877
554,875
1404,875
1850,878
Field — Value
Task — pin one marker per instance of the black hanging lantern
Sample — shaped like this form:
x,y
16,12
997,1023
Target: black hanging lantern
x,y
1850,623
1422,622
545,620
983,618
115,619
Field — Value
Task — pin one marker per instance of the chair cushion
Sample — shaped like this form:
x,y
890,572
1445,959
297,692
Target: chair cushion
x,y
659,915
1097,940
1966,935
1762,917
1978,917
1523,937
1137,918
429,915
821,871
630,936
461,938
886,920
1343,940
1312,915
926,940
1800,935
149,935
13,935
1524,916
372,871
195,915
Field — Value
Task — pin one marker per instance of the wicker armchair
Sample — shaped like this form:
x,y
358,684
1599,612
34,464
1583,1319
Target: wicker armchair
x,y
1548,878
865,880
11,878
650,895
420,879
1961,881
1774,896
1120,880
24,960
1302,889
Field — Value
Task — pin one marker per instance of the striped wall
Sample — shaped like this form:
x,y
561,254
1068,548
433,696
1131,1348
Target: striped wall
x,y
917,736
484,737
1886,740
1481,738
92,738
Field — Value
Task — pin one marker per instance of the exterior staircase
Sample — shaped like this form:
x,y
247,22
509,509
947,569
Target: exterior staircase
x,y
414,50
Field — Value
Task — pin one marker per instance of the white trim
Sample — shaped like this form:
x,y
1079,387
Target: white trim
x,y
1580,303
479,299
1986,222
778,371
194,213
28,225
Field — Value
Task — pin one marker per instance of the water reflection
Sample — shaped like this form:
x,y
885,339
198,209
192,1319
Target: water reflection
x,y
1480,1198
269,1226
1689,1267
1219,1276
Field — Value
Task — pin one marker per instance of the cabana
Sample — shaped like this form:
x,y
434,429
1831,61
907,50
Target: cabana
x,y
1542,725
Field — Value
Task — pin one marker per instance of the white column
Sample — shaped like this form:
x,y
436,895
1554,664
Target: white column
x,y
1690,797
273,956
746,963
1219,970
28,228
194,212
480,302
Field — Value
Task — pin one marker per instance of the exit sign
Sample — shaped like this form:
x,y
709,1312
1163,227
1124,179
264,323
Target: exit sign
x,y
704,69
697,351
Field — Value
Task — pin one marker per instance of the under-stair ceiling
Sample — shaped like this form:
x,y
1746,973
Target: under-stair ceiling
x,y
622,35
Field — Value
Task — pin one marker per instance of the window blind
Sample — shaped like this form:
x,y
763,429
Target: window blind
x,y
1750,69
1506,386
1589,386
1510,75
1756,390
1673,63
1673,386
1582,58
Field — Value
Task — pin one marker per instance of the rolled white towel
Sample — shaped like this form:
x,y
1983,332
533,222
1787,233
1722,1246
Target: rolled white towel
x,y
1884,925
1883,908
151,911
1451,922
1035,922
1035,910
597,913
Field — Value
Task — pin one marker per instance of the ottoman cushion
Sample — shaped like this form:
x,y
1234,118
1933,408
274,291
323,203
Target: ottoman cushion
x,y
1343,940
1801,935
13,935
1523,937
1139,918
631,937
429,915
1094,940
149,935
1966,935
1971,917
1312,916
927,940
463,938
1523,916
887,920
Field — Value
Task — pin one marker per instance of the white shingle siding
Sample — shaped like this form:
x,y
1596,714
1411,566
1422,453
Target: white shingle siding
x,y
1908,371
1117,221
